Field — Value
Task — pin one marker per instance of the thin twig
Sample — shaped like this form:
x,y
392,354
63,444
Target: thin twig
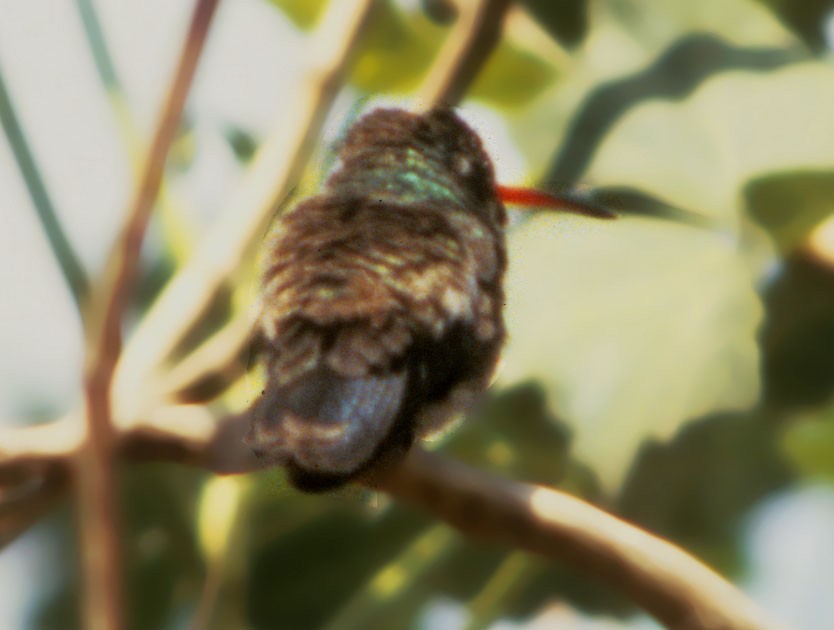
x,y
98,46
131,136
274,171
67,260
96,485
210,367
475,34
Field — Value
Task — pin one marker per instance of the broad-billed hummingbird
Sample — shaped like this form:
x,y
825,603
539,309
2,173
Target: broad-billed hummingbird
x,y
382,297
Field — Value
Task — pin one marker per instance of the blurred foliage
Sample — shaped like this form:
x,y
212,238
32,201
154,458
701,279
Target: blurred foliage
x,y
789,205
698,487
809,444
566,21
675,365
303,13
400,45
806,17
798,365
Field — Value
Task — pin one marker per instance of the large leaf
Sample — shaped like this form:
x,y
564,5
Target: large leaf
x,y
638,51
634,326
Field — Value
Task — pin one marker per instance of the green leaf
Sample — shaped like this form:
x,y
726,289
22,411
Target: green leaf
x,y
566,21
798,336
743,22
697,488
789,205
512,77
637,52
809,445
399,47
303,13
701,152
395,579
513,433
319,567
397,50
806,17
633,327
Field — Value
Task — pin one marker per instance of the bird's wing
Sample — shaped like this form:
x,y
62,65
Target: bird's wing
x,y
325,427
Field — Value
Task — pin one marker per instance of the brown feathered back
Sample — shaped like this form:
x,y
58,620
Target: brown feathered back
x,y
381,298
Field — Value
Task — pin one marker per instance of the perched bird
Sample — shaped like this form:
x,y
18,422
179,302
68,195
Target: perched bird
x,y
381,299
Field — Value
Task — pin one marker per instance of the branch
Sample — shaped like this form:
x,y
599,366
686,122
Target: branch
x,y
671,585
95,475
667,582
129,131
210,367
40,445
475,34
274,171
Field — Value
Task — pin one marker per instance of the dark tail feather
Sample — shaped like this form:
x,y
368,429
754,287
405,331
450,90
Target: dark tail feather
x,y
326,428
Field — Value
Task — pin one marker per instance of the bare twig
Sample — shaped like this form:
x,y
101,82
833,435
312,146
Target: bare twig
x,y
208,369
67,260
131,136
98,46
275,169
476,32
96,484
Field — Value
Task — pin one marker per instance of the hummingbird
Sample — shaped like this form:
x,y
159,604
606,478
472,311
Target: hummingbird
x,y
382,297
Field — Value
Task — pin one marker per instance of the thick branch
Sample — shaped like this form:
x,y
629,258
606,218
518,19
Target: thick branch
x,y
668,583
96,484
